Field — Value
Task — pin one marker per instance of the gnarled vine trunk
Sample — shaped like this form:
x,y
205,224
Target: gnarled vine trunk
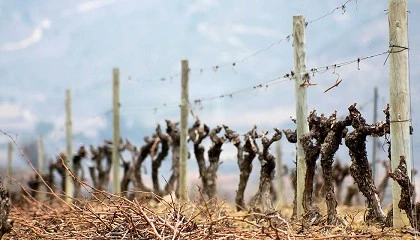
x,y
268,166
208,172
246,153
99,171
318,127
337,130
165,142
360,168
147,149
79,173
173,131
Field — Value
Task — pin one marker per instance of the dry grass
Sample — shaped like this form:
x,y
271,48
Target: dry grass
x,y
116,217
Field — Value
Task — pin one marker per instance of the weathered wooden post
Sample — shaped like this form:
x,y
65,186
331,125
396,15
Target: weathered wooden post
x,y
69,163
116,136
299,43
399,97
183,188
41,158
41,166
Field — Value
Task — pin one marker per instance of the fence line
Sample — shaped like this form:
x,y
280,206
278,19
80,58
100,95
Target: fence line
x,y
274,81
324,69
199,101
313,71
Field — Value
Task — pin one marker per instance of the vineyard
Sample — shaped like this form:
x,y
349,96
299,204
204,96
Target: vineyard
x,y
119,188
162,215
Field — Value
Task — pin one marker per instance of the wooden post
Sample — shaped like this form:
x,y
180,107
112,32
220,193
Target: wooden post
x,y
375,139
279,171
183,191
399,98
41,158
116,136
9,164
299,43
41,167
69,163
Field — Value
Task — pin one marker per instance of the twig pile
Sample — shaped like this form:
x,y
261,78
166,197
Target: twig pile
x,y
120,218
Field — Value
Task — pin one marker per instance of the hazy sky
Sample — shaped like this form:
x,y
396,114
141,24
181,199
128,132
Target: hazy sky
x,y
48,46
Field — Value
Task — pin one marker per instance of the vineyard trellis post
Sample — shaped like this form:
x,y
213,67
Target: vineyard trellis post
x,y
9,164
301,77
116,187
399,97
183,194
374,139
41,165
69,141
41,159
